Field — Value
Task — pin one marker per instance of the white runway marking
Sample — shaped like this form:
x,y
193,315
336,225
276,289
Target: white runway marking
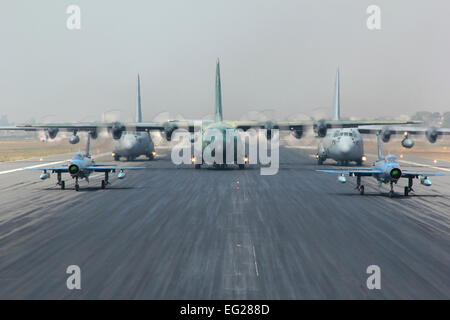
x,y
36,166
256,264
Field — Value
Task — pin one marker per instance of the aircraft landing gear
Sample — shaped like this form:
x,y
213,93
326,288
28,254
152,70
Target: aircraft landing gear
x,y
320,161
106,181
60,182
391,192
359,186
359,163
77,186
116,157
241,166
409,188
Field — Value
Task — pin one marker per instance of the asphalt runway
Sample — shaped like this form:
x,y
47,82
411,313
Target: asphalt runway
x,y
172,232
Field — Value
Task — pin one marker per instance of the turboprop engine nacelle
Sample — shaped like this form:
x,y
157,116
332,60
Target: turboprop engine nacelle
x,y
52,132
74,139
386,134
321,128
116,130
297,133
168,130
431,135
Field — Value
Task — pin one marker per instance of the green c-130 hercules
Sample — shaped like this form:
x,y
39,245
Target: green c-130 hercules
x,y
297,128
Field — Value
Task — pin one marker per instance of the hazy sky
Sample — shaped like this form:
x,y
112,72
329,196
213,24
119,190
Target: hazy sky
x,y
278,55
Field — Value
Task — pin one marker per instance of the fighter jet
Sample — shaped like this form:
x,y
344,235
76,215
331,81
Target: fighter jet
x,y
385,170
80,167
343,145
218,124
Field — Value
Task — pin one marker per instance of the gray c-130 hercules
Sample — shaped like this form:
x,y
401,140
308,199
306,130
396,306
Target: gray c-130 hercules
x,y
385,170
81,166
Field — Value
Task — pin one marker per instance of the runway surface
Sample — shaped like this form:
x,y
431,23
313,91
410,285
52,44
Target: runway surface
x,y
172,232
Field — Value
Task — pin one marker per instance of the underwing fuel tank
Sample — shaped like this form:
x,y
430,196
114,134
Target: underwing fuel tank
x,y
44,176
121,175
426,182
342,179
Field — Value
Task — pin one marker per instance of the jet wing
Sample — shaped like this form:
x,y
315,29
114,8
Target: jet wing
x,y
362,172
417,175
90,126
112,169
53,170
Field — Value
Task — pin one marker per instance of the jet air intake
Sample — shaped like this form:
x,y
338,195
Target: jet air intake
x,y
395,173
74,169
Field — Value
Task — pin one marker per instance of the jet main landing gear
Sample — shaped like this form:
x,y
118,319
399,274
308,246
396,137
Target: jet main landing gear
x,y
60,182
359,186
409,188
106,181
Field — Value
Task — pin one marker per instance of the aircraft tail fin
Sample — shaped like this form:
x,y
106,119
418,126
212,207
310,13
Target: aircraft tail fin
x,y
337,98
88,144
380,149
218,110
138,110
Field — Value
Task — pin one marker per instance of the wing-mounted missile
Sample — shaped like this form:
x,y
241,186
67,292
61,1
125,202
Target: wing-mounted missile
x,y
431,135
407,142
320,128
74,138
386,134
342,179
116,130
52,132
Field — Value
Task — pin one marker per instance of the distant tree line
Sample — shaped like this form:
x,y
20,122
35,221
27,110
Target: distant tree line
x,y
435,119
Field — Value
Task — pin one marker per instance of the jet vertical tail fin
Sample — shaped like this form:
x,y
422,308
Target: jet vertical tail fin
x,y
337,100
380,149
139,110
218,110
88,143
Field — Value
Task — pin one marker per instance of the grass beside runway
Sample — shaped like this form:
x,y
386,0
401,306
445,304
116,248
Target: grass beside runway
x,y
12,149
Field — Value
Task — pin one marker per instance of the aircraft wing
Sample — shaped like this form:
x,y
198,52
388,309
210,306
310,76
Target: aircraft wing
x,y
402,130
298,125
423,174
190,124
361,172
112,169
62,169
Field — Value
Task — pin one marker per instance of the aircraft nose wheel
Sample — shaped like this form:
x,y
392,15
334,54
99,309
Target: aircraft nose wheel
x,y
63,185
77,187
103,184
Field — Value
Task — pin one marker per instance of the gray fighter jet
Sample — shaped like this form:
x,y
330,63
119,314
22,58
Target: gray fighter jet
x,y
343,145
385,170
80,167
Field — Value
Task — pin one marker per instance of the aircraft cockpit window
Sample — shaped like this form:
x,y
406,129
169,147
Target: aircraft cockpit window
x,y
391,158
78,155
